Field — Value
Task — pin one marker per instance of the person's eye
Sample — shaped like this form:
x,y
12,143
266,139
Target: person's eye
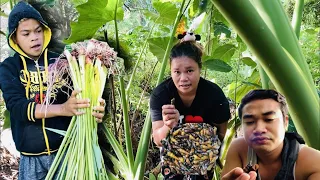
x,y
268,120
25,34
190,71
249,122
39,31
176,72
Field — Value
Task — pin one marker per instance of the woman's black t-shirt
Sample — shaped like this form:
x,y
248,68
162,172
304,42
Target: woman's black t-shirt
x,y
209,105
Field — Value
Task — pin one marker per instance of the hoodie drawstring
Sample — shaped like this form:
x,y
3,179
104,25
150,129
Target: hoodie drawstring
x,y
41,90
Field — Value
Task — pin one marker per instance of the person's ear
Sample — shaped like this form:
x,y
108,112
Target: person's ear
x,y
286,121
14,38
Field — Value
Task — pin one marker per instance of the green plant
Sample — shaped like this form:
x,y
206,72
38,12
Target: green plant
x,y
282,64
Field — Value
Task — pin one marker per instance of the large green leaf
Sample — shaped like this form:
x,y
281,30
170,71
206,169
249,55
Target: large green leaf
x,y
241,45
218,17
152,176
93,15
248,61
198,7
217,65
192,11
167,13
3,2
311,31
219,28
211,46
243,88
78,2
158,46
224,52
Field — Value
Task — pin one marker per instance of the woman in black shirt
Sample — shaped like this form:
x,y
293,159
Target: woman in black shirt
x,y
196,100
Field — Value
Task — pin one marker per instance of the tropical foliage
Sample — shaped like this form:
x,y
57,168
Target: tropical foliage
x,y
248,45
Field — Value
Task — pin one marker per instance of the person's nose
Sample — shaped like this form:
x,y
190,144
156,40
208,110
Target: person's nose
x,y
184,77
259,127
34,37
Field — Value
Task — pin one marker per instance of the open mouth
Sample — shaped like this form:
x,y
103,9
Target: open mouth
x,y
185,85
36,47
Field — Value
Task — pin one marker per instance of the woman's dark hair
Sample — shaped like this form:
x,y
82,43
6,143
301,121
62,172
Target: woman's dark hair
x,y
259,94
188,49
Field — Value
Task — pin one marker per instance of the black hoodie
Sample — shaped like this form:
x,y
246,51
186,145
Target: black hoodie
x,y
23,82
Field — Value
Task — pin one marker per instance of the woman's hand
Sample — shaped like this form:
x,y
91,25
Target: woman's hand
x,y
170,116
238,174
98,111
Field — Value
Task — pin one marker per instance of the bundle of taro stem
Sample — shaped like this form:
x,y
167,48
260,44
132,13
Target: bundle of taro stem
x,y
88,64
191,149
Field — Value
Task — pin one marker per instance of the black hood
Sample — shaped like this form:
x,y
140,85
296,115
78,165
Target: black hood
x,y
20,11
24,10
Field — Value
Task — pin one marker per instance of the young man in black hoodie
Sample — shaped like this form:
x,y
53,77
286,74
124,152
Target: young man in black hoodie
x,y
266,145
23,81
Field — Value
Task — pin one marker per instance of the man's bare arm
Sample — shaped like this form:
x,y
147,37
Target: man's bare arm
x,y
307,164
233,158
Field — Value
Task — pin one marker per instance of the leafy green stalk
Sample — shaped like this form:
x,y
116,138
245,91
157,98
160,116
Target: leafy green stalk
x,y
116,26
61,151
143,146
228,139
277,21
88,122
126,126
115,146
297,17
118,166
264,77
11,3
138,60
282,69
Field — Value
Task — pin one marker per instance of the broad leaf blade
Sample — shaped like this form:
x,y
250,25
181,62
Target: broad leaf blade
x,y
3,2
224,52
221,28
158,46
217,65
93,15
249,62
243,88
152,177
78,2
167,12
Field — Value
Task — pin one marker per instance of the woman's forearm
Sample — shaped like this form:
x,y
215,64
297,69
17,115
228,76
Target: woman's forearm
x,y
160,134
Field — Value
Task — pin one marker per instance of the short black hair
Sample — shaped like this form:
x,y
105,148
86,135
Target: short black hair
x,y
188,49
259,94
